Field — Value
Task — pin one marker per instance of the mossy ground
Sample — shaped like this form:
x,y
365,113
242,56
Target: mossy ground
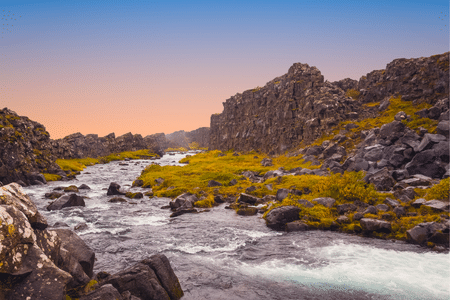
x,y
384,117
78,164
345,188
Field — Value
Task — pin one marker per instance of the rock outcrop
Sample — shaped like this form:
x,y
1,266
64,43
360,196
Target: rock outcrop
x,y
79,146
25,150
37,262
184,139
301,106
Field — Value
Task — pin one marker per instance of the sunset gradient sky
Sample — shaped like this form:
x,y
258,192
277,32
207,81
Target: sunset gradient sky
x,y
160,66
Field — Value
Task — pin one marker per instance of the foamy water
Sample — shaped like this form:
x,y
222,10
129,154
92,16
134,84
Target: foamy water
x,y
220,255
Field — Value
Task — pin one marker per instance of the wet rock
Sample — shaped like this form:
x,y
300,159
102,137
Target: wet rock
x,y
182,211
266,162
84,187
77,248
66,201
53,195
137,195
70,264
429,232
13,194
325,201
71,188
246,198
247,211
279,216
165,274
105,292
282,194
114,189
117,200
140,280
296,226
138,182
183,201
213,183
80,226
368,224
219,199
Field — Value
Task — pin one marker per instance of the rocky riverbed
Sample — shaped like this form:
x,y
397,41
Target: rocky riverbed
x,y
218,254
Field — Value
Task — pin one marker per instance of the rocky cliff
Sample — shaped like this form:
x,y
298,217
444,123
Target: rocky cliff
x,y
78,146
25,150
183,139
301,106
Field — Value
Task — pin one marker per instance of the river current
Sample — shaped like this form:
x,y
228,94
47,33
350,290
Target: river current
x,y
221,255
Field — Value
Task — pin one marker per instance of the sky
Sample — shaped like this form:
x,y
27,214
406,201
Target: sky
x,y
103,66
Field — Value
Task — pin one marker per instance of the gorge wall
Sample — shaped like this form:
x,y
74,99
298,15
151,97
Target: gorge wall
x,y
25,150
183,139
78,146
301,106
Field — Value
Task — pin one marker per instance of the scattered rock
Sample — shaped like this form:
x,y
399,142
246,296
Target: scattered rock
x,y
66,201
438,205
213,183
266,162
117,200
375,225
246,198
279,216
325,201
84,187
296,226
247,211
114,189
71,188
53,195
345,208
305,203
282,194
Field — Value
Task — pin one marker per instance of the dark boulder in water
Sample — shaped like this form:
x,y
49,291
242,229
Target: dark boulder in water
x,y
279,216
66,201
114,189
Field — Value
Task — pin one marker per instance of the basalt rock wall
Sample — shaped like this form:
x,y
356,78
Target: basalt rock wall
x,y
301,106
78,146
25,150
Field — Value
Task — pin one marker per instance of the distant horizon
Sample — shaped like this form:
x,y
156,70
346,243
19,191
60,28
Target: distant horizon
x,y
145,67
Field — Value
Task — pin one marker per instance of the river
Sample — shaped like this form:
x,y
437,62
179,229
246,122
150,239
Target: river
x,y
221,255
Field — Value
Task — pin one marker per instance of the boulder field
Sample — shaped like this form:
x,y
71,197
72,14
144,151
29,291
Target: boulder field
x,y
41,262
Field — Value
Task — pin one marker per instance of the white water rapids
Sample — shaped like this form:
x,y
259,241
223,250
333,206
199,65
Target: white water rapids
x,y
221,255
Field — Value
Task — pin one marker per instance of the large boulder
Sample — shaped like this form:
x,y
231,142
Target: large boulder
x,y
114,189
249,199
163,270
105,292
425,163
382,180
66,201
77,248
369,225
13,194
140,280
279,216
429,232
183,201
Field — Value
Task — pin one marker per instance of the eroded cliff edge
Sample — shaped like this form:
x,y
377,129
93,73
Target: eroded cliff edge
x,y
301,106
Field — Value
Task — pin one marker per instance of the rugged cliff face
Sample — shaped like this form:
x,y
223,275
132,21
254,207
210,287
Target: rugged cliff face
x,y
300,106
183,139
78,146
25,150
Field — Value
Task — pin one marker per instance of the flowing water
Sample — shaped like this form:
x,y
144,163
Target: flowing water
x,y
221,255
